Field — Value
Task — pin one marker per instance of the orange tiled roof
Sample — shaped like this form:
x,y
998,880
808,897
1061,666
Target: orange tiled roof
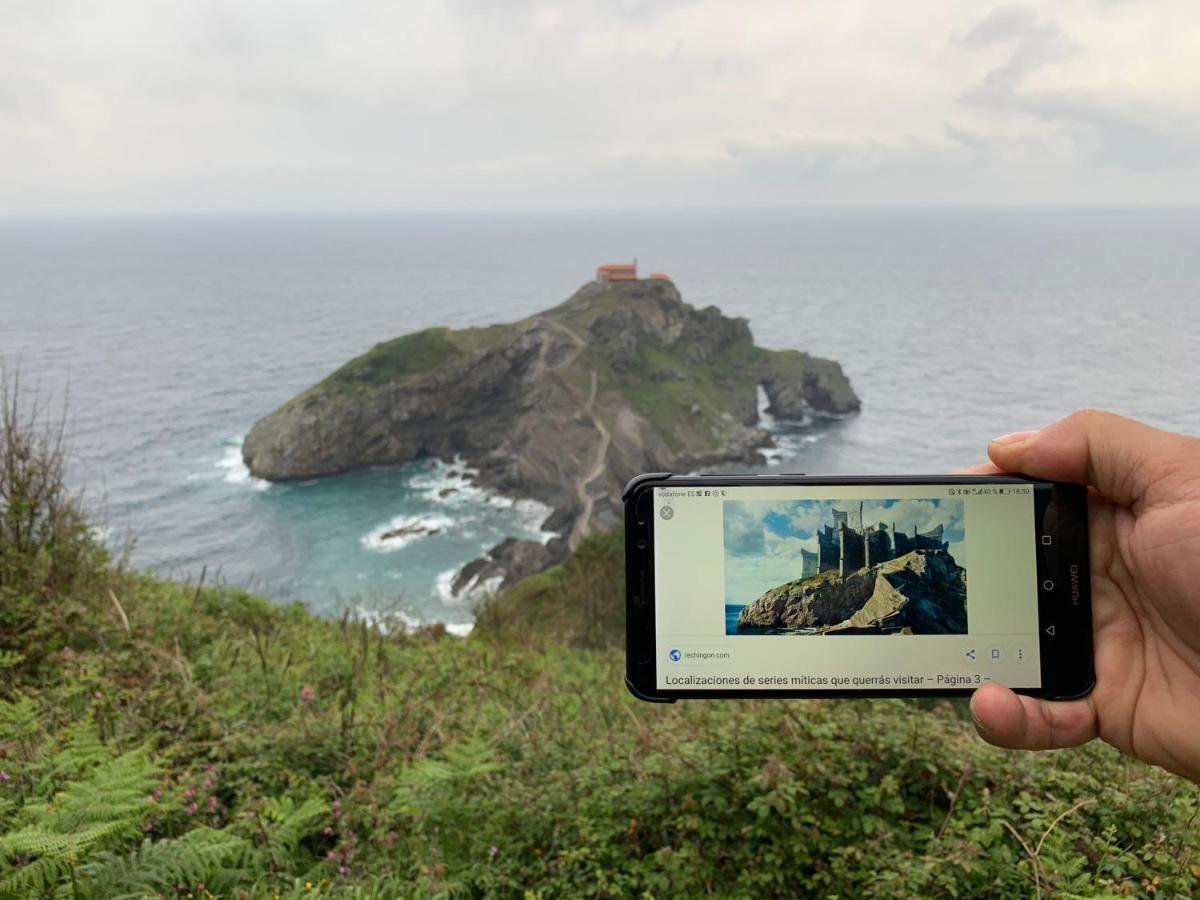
x,y
660,276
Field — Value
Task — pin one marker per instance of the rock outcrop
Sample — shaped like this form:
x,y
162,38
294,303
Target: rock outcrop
x,y
562,407
922,592
507,563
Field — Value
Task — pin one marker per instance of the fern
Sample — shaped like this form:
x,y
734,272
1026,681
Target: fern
x,y
20,726
36,860
100,812
461,763
284,824
202,855
115,791
80,750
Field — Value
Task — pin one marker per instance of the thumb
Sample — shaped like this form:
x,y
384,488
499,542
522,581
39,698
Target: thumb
x,y
1027,723
1119,457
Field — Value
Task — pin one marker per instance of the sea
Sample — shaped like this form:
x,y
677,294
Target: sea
x,y
164,338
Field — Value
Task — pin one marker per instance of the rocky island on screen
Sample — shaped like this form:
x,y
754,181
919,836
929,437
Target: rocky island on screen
x,y
815,567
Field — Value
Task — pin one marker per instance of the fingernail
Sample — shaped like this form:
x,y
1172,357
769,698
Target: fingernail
x,y
1017,437
979,726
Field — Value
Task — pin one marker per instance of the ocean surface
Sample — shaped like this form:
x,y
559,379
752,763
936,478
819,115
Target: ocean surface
x,y
168,337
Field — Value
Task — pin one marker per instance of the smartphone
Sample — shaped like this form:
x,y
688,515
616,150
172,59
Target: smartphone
x,y
813,586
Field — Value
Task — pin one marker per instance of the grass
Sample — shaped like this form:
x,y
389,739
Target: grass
x,y
688,412
412,355
265,749
166,739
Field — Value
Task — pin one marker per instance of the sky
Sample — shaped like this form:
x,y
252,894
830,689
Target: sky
x,y
228,105
763,538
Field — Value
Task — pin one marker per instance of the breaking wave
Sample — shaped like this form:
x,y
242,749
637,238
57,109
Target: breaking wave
x,y
400,531
452,484
235,468
399,620
790,435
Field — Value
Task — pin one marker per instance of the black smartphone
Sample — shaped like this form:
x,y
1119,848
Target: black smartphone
x,y
806,586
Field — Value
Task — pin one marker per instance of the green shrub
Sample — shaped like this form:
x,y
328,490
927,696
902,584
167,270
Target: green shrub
x,y
47,554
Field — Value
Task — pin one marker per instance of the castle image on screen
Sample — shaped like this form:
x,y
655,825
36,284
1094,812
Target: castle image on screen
x,y
822,567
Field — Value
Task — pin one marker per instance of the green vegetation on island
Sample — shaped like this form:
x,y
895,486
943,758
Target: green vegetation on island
x,y
170,739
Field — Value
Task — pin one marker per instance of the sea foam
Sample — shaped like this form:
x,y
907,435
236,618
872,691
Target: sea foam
x,y
784,432
235,467
420,526
452,484
399,620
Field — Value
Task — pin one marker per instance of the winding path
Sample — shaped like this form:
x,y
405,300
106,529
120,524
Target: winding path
x,y
581,528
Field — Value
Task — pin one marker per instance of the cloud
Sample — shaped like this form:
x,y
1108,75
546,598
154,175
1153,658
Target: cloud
x,y
743,530
470,104
1035,43
1113,129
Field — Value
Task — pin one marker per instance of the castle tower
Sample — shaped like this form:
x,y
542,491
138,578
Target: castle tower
x,y
809,563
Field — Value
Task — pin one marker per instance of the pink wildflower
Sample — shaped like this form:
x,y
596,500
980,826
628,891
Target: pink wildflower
x,y
212,802
342,870
493,850
307,694
3,775
191,809
189,794
147,825
329,829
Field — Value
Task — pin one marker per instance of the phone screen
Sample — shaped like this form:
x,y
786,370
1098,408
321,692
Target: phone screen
x,y
874,587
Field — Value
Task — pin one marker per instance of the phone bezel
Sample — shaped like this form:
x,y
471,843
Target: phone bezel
x,y
1065,628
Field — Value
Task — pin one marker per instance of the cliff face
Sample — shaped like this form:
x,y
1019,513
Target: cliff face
x,y
922,592
563,406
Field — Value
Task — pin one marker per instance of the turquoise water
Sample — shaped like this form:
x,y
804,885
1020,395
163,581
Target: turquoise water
x,y
175,334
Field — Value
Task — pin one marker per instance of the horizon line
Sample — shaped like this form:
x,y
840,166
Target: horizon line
x,y
303,212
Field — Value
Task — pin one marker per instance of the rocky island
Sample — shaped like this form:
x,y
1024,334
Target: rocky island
x,y
921,592
562,407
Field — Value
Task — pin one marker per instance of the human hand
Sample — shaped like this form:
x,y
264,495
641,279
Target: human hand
x,y
1144,532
